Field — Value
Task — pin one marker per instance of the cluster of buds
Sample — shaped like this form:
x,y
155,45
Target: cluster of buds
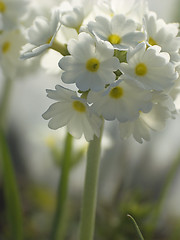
x,y
121,65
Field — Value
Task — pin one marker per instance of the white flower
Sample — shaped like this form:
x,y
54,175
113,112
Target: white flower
x,y
133,9
155,120
175,90
72,18
90,65
119,31
11,12
121,101
73,112
41,35
164,35
74,13
149,68
10,45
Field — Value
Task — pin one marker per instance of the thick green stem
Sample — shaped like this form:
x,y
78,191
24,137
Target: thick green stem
x,y
12,199
58,228
90,190
4,101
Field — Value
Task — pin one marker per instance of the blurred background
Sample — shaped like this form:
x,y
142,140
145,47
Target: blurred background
x,y
138,179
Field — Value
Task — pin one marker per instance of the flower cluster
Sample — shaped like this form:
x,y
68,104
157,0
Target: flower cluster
x,y
122,66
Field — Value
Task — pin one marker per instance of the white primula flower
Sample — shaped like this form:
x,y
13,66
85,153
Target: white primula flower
x,y
73,112
175,90
119,31
149,68
121,101
73,17
11,12
164,35
90,65
10,45
155,120
133,9
41,35
74,13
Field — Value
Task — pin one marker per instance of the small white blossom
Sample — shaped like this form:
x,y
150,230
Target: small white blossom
x,y
133,9
164,35
155,120
149,68
119,31
73,14
90,65
121,101
73,112
41,35
72,18
11,12
10,45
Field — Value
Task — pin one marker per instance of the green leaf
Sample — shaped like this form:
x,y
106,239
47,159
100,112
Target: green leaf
x,y
136,226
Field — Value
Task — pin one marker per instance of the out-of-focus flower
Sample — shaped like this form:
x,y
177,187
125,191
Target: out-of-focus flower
x,y
73,14
11,13
10,45
133,9
162,109
164,35
41,35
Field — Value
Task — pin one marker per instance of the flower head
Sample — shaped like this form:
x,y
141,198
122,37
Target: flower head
x,y
41,35
164,35
90,65
162,109
73,112
121,101
149,68
119,31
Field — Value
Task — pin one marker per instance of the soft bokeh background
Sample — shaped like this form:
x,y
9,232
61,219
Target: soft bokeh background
x,y
132,175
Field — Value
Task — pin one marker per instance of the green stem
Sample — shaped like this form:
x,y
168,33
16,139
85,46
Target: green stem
x,y
136,226
4,101
158,208
90,190
12,199
58,228
59,47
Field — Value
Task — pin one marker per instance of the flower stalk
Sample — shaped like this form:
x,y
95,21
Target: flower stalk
x,y
87,222
4,101
11,193
58,228
59,47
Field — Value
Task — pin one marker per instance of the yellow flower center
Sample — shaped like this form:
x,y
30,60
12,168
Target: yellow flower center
x,y
79,106
114,39
152,42
6,47
92,65
116,92
141,69
2,7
